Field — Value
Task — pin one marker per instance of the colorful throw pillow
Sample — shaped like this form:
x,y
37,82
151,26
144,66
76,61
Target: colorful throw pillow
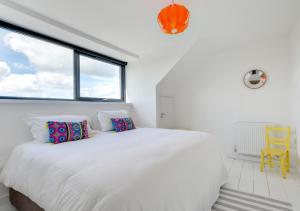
x,y
122,124
104,118
60,132
39,128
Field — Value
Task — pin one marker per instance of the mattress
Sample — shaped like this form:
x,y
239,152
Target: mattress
x,y
143,169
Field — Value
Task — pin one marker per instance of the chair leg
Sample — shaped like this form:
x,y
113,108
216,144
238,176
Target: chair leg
x,y
270,161
262,161
288,161
282,165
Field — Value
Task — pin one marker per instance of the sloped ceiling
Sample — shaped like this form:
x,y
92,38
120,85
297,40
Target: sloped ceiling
x,y
132,24
231,23
128,24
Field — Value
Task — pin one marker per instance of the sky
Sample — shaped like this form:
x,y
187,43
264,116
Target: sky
x,y
34,68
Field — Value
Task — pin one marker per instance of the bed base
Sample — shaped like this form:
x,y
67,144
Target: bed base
x,y
22,202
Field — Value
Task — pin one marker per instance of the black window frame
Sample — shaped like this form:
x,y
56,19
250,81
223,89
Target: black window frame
x,y
77,51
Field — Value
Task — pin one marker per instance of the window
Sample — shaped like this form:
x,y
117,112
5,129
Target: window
x,y
99,79
34,66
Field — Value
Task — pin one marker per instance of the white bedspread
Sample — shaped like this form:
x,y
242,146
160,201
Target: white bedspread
x,y
138,170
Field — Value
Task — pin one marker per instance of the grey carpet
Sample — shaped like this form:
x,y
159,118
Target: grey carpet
x,y
230,200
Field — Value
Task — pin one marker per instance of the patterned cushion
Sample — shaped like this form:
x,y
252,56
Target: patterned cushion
x,y
60,132
122,124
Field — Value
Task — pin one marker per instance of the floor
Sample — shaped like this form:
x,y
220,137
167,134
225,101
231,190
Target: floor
x,y
5,205
245,176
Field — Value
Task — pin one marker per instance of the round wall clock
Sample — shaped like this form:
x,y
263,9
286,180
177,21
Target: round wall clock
x,y
255,79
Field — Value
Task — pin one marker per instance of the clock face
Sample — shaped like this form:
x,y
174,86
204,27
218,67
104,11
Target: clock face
x,y
254,79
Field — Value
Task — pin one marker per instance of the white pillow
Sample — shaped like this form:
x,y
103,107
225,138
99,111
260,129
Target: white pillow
x,y
39,129
105,117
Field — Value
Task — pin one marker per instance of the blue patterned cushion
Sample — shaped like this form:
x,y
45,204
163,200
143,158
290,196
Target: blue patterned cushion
x,y
122,124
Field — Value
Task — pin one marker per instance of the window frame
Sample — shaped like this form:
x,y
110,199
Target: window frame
x,y
90,55
77,51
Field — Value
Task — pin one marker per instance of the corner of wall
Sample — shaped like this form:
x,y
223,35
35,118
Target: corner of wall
x,y
295,88
298,166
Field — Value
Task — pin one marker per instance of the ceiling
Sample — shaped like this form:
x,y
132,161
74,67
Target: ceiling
x,y
132,24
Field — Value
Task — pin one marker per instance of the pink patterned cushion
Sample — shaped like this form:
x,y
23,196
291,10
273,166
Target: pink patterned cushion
x,y
60,132
122,124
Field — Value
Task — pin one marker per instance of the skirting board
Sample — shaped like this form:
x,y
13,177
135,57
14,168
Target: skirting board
x,y
235,155
295,164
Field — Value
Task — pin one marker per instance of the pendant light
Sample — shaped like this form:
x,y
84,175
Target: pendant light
x,y
174,18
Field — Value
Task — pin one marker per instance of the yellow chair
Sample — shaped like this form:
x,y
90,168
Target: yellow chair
x,y
278,141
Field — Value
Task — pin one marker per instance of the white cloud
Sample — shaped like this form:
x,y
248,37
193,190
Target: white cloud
x,y
97,68
21,66
45,56
4,69
15,82
48,57
52,85
55,80
53,65
103,90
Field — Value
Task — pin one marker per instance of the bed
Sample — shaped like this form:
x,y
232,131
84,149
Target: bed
x,y
143,169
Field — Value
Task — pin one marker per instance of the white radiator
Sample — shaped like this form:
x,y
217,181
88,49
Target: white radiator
x,y
250,137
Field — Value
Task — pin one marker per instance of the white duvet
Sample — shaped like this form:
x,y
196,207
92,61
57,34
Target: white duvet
x,y
138,170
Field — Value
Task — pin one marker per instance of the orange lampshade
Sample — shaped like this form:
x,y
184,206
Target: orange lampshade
x,y
174,18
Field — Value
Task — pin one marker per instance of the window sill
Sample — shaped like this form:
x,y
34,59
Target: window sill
x,y
31,101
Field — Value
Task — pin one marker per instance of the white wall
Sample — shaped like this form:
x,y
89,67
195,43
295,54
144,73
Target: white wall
x,y
144,75
214,98
142,78
295,99
14,131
